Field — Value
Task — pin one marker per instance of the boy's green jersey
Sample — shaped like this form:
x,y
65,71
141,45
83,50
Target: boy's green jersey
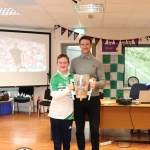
x,y
62,102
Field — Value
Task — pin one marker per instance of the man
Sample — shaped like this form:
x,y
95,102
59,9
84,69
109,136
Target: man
x,y
88,64
61,109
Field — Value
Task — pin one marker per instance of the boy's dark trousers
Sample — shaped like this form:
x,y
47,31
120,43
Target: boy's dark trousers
x,y
61,133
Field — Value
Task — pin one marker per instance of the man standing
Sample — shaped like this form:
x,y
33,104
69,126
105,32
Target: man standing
x,y
88,64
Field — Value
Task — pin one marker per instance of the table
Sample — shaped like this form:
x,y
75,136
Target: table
x,y
115,116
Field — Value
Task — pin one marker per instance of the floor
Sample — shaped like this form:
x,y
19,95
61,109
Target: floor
x,y
20,130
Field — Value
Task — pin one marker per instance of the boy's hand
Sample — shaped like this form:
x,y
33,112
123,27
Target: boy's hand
x,y
71,86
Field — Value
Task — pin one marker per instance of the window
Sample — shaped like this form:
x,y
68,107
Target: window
x,y
137,62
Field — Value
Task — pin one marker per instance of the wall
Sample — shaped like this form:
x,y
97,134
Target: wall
x,y
105,33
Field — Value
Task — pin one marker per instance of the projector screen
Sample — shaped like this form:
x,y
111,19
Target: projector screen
x,y
25,58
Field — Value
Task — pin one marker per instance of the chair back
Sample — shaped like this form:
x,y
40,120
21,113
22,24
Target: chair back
x,y
26,90
101,95
135,90
47,95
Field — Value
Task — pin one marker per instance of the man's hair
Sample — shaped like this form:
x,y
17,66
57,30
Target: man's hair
x,y
85,38
62,55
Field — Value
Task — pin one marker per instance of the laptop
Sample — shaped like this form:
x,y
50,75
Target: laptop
x,y
144,97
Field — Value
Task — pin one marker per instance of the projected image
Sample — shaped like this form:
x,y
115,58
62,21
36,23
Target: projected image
x,y
22,56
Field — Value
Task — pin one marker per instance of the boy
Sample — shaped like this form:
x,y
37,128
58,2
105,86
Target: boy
x,y
61,108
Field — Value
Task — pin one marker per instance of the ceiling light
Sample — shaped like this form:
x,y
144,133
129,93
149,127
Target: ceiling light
x,y
8,11
89,8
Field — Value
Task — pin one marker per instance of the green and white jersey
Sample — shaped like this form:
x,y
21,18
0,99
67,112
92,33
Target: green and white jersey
x,y
62,103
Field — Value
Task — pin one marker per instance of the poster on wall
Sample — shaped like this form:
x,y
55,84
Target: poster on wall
x,y
109,48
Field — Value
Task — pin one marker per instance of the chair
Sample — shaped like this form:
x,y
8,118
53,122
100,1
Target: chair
x,y
135,89
46,102
21,99
134,93
101,95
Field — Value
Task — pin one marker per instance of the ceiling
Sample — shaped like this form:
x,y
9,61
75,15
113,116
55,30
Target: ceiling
x,y
44,14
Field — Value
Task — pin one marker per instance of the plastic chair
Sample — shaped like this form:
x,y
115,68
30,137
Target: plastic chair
x,y
46,102
134,94
21,99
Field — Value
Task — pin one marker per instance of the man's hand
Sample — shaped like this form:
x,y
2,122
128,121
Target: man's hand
x,y
92,83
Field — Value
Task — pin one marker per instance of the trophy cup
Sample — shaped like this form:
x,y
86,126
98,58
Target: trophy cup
x,y
81,83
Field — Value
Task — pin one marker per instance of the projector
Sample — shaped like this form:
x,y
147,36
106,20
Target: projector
x,y
124,100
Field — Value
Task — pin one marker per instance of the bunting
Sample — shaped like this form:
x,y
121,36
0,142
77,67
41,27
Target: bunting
x,y
63,30
69,32
129,42
136,41
147,37
56,27
96,41
110,42
103,41
117,42
75,35
123,42
91,37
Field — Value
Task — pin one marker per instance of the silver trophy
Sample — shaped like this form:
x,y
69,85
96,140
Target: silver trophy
x,y
81,83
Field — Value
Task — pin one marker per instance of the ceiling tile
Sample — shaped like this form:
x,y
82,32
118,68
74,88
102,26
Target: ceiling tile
x,y
95,16
116,15
62,9
15,18
142,8
53,2
122,1
81,2
62,16
135,25
120,8
113,24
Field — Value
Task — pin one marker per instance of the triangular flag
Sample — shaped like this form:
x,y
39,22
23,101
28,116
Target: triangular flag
x,y
123,42
96,41
63,30
75,35
129,42
110,42
69,32
136,41
56,27
147,37
103,41
116,42
91,37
